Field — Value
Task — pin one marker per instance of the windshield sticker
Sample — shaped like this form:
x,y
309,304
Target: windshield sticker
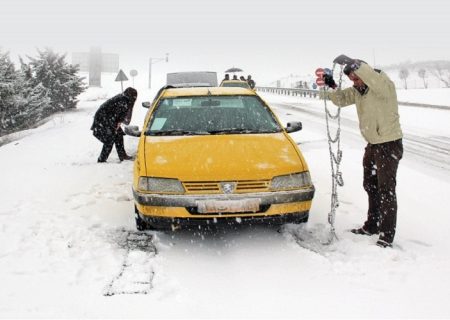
x,y
158,123
182,102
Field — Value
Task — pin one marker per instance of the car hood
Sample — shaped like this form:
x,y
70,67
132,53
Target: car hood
x,y
221,157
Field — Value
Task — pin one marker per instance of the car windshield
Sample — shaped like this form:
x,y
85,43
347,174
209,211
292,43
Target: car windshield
x,y
204,115
240,84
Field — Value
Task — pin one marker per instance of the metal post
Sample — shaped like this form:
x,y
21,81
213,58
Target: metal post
x,y
95,67
152,61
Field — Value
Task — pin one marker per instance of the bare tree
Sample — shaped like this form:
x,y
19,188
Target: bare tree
x,y
423,74
441,70
404,74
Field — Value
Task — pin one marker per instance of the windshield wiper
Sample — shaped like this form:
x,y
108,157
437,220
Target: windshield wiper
x,y
236,130
176,133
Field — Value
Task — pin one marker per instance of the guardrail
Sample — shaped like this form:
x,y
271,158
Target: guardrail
x,y
291,91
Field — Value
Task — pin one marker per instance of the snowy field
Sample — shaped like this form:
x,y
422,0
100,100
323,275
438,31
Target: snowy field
x,y
68,240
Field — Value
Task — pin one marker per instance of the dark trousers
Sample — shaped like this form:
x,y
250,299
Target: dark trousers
x,y
380,165
110,141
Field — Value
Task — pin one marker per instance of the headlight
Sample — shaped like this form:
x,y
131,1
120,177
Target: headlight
x,y
160,185
291,181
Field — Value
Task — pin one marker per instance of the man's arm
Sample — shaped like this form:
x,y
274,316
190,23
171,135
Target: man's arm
x,y
342,98
375,81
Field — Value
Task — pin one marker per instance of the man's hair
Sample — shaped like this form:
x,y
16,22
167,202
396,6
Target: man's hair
x,y
130,92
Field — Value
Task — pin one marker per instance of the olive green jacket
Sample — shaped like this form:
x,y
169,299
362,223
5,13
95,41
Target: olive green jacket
x,y
377,108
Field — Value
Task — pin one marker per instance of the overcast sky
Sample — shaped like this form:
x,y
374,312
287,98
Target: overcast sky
x,y
268,39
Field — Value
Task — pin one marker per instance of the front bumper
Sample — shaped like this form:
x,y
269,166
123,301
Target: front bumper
x,y
189,201
165,223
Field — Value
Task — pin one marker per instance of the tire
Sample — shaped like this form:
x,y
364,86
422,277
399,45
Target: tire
x,y
304,220
141,225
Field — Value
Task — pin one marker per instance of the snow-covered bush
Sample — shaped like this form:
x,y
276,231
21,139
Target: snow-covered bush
x,y
7,85
45,85
51,71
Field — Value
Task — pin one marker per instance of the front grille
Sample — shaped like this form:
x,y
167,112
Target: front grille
x,y
199,187
260,185
243,186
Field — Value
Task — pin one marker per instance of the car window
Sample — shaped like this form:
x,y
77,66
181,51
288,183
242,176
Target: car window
x,y
211,115
241,84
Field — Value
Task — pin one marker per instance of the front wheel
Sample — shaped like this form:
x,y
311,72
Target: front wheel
x,y
301,220
141,225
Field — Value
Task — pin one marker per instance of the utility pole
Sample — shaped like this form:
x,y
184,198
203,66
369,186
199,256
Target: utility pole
x,y
153,61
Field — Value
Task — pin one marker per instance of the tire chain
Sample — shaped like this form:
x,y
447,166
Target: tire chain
x,y
335,158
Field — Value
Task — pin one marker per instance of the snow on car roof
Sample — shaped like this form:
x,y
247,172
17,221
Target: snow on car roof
x,y
203,91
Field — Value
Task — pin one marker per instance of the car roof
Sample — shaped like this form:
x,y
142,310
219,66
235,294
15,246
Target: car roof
x,y
205,91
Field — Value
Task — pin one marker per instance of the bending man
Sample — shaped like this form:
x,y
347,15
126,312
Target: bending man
x,y
107,120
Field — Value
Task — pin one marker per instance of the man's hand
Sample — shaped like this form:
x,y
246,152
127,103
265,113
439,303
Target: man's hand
x,y
329,81
352,67
343,59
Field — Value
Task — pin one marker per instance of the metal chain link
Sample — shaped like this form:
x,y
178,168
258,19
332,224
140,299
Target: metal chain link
x,y
335,157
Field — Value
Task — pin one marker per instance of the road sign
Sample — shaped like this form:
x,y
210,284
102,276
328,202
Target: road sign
x,y
319,72
121,77
133,73
327,71
320,82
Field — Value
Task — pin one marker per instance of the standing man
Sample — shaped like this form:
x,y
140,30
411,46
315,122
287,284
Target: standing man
x,y
251,82
107,120
226,78
375,98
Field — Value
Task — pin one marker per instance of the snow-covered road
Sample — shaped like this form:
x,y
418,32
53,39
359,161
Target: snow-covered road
x,y
67,234
431,147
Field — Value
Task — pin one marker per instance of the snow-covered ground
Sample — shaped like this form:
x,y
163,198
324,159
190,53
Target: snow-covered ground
x,y
67,235
439,97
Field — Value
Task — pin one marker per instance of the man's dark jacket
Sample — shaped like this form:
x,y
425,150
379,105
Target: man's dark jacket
x,y
116,110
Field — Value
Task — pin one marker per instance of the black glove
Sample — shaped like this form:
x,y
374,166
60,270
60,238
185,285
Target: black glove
x,y
343,59
329,81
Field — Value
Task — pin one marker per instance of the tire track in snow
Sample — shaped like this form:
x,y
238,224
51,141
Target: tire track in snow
x,y
136,272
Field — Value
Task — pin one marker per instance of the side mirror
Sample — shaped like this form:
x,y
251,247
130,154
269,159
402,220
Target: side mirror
x,y
146,104
293,127
132,131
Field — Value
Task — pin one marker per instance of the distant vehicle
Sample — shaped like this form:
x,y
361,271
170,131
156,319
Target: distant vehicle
x,y
217,155
192,79
235,83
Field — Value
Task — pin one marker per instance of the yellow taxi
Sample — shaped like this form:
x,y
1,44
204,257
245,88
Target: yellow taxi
x,y
212,155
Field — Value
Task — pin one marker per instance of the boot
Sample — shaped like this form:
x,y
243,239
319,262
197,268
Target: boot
x,y
126,157
362,231
383,244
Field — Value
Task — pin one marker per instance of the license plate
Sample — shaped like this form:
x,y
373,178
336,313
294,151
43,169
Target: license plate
x,y
218,206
